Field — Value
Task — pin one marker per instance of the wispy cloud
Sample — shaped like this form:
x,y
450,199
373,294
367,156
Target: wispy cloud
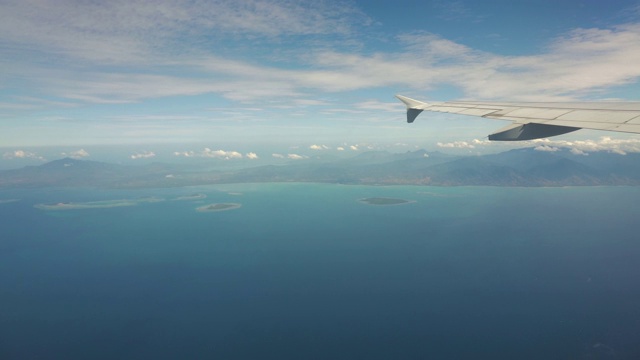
x,y
580,62
139,34
128,31
376,105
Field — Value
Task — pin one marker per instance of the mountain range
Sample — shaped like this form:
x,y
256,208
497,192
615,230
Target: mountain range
x,y
520,167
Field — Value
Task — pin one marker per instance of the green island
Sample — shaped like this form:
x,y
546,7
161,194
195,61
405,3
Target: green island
x,y
384,201
218,207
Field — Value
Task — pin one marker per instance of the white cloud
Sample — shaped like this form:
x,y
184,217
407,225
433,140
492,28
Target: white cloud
x,y
184,153
208,153
546,148
604,143
22,154
578,147
456,145
78,154
340,148
318,147
354,147
278,156
252,156
296,157
143,155
221,154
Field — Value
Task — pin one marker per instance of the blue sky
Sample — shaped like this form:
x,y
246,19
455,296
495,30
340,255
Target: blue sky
x,y
226,79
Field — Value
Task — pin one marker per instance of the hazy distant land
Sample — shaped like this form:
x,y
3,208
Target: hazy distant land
x,y
218,207
519,167
385,201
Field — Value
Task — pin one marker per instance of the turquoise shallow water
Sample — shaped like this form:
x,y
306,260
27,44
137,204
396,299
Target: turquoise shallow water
x,y
307,271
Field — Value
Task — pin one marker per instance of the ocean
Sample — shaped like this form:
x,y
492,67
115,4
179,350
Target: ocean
x,y
306,271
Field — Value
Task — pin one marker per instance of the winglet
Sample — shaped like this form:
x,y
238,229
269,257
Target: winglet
x,y
414,107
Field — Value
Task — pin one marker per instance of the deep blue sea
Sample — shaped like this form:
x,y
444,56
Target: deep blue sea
x,y
306,271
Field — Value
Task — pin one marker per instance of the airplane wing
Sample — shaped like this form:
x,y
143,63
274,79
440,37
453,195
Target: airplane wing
x,y
538,120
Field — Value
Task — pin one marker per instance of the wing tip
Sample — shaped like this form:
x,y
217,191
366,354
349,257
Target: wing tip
x,y
414,107
410,103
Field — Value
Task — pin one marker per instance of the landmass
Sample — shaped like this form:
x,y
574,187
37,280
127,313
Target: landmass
x,y
218,207
384,201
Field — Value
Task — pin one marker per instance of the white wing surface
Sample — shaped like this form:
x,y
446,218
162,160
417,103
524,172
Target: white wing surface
x,y
533,120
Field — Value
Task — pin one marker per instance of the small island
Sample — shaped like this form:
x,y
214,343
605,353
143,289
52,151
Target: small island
x,y
98,204
6,201
198,196
148,199
85,205
384,201
218,207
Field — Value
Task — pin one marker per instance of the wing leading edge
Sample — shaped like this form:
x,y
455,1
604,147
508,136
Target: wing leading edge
x,y
539,120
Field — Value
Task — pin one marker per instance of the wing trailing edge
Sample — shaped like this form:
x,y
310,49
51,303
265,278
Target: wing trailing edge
x,y
538,120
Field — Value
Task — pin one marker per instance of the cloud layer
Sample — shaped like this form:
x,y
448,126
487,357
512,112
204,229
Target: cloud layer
x,y
217,154
21,154
167,48
578,147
